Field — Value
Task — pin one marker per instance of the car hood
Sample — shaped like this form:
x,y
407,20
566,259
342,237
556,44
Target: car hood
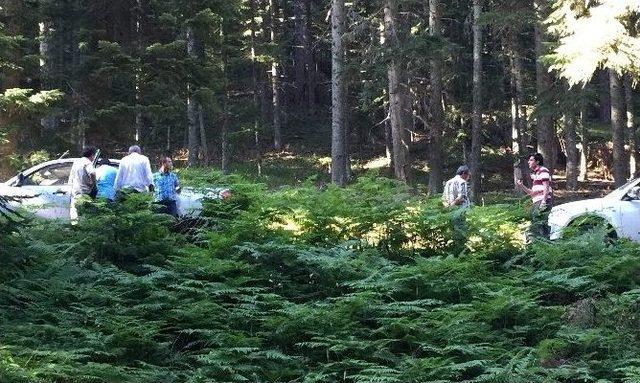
x,y
598,206
10,191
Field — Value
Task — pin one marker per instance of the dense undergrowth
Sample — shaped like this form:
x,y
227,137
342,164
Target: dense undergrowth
x,y
366,284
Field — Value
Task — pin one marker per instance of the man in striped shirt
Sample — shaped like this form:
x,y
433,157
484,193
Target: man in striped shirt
x,y
540,192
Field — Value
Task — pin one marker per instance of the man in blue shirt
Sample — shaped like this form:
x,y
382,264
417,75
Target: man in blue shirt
x,y
166,187
105,178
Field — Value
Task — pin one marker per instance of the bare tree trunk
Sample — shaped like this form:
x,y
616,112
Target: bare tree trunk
x,y
138,42
398,97
476,118
256,88
204,146
226,155
299,53
275,83
49,122
168,143
546,130
584,146
631,126
617,128
518,112
436,162
338,99
309,59
572,151
192,108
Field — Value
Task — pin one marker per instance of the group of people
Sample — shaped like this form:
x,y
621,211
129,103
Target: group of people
x,y
456,192
133,175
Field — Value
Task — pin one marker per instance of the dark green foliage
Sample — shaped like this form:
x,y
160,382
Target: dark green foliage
x,y
365,284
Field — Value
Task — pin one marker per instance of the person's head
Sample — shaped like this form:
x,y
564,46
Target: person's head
x,y
463,172
166,164
134,149
535,160
89,152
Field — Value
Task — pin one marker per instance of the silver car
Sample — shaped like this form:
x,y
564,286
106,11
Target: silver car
x,y
44,190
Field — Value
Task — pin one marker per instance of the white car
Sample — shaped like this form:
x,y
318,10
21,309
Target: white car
x,y
44,190
619,209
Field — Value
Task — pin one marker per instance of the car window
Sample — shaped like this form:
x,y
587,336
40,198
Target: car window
x,y
52,175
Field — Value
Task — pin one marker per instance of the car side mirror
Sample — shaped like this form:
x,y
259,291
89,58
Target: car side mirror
x,y
634,193
21,179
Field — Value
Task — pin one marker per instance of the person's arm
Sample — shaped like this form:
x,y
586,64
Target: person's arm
x,y
178,188
91,171
117,183
545,193
148,176
525,189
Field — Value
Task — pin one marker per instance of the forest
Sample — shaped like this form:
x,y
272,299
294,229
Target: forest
x,y
335,125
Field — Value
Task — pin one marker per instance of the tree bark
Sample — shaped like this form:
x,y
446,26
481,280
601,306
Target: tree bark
x,y
571,142
204,145
309,60
256,87
584,147
338,99
476,118
398,97
138,96
49,122
518,112
631,126
435,105
192,108
299,62
545,129
275,82
620,171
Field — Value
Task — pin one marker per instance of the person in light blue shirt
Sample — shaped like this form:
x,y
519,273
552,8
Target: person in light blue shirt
x,y
166,187
105,177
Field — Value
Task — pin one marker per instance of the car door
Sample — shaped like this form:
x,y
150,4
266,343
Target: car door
x,y
46,191
630,215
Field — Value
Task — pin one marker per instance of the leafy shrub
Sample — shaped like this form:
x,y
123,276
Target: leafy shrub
x,y
371,283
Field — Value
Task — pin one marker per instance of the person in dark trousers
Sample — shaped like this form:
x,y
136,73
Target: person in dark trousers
x,y
166,187
541,194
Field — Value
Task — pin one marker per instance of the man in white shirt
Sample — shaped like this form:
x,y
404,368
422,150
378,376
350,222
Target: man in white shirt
x,y
82,179
456,191
134,172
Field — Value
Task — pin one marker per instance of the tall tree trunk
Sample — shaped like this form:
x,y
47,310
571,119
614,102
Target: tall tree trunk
x,y
631,126
584,147
46,30
518,112
476,118
256,87
546,131
620,171
299,61
571,142
192,108
398,97
138,12
226,152
436,162
275,82
309,59
338,99
204,146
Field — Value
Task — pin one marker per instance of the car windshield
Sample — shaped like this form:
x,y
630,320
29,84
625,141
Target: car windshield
x,y
622,190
